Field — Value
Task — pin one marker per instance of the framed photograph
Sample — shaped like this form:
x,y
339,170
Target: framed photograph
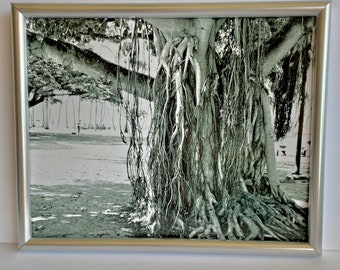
x,y
166,127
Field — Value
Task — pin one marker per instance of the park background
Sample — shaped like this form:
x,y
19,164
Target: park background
x,y
10,258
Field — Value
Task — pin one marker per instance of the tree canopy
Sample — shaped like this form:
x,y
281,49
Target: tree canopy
x,y
49,80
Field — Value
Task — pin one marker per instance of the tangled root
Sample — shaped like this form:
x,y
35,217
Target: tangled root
x,y
250,217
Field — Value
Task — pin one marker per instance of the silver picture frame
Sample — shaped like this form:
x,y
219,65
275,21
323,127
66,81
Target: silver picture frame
x,y
319,10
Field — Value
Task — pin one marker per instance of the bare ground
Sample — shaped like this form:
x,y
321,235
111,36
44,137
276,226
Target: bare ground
x,y
82,211
80,188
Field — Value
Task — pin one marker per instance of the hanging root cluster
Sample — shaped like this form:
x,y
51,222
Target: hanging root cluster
x,y
247,207
207,159
131,130
173,107
289,84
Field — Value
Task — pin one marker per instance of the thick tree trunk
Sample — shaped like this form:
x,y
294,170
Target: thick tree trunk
x,y
275,55
209,132
269,141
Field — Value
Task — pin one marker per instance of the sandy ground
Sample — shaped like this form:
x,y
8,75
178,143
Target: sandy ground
x,y
67,159
79,186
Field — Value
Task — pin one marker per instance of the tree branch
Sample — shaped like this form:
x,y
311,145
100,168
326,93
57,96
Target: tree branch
x,y
275,55
291,36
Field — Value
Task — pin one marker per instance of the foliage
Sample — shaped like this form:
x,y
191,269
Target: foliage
x,y
82,30
46,78
288,84
69,29
49,80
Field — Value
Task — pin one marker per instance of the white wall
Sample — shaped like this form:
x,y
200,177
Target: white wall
x,y
10,259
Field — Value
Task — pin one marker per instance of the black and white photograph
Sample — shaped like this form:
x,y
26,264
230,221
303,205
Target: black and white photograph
x,y
170,126
195,128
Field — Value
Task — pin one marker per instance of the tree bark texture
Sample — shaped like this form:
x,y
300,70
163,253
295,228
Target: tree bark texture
x,y
212,136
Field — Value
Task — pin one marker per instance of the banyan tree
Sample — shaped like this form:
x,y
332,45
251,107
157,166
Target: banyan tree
x,y
208,169
223,92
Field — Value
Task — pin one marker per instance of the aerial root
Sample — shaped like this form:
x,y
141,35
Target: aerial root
x,y
254,230
249,217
